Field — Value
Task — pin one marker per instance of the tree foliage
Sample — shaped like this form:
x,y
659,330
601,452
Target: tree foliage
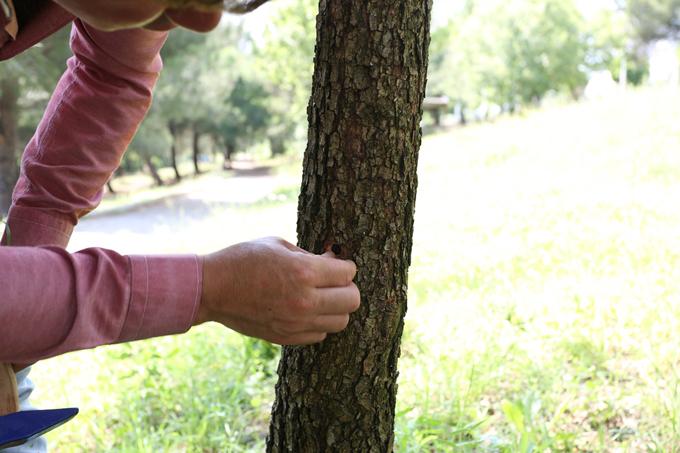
x,y
284,58
25,85
245,117
655,19
611,46
237,88
516,52
509,52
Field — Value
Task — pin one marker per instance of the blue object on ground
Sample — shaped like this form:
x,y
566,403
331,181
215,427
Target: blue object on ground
x,y
20,427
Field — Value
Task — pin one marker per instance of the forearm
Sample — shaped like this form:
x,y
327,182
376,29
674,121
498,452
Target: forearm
x,y
91,118
54,302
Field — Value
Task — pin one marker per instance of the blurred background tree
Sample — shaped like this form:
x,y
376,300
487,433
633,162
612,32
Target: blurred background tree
x,y
143,153
26,83
244,118
654,19
246,87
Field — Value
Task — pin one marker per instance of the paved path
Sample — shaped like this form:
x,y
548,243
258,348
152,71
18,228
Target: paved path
x,y
199,216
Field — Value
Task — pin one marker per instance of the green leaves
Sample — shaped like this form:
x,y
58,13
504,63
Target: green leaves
x,y
509,53
655,19
522,415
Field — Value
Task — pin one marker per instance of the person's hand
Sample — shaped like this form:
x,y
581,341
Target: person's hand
x,y
110,15
273,290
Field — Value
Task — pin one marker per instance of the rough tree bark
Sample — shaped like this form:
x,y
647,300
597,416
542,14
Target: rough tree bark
x,y
9,167
358,192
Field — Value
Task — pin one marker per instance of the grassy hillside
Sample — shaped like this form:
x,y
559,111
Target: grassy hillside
x,y
544,302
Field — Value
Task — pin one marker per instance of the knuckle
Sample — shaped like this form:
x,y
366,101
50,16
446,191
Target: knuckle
x,y
356,298
348,279
292,329
281,330
279,240
349,275
352,270
302,305
303,274
272,243
344,323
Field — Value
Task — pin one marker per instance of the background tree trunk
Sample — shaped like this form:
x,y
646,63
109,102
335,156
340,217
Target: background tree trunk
x,y
153,171
229,150
173,151
358,191
196,151
9,113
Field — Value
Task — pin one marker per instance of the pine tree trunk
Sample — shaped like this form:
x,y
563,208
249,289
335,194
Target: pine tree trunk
x,y
358,191
9,114
173,151
229,150
153,171
196,151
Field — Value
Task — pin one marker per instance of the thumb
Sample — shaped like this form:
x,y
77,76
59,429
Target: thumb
x,y
196,20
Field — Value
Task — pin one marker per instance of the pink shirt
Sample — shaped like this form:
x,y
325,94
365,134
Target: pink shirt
x,y
51,301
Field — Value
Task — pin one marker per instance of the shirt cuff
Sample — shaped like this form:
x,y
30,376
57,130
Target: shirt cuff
x,y
165,293
30,226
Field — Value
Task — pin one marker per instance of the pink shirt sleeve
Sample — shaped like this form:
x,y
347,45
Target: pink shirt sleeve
x,y
55,302
52,301
94,111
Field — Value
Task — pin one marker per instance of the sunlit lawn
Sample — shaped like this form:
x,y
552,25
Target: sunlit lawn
x,y
544,303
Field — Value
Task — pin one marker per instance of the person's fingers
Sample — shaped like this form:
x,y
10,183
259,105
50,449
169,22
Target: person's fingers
x,y
302,339
307,336
193,19
286,244
338,300
331,323
330,271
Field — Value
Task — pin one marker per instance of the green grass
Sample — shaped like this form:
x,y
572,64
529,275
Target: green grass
x,y
544,305
553,270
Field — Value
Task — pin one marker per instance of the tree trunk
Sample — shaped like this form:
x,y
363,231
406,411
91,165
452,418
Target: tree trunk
x,y
173,151
358,193
623,71
153,171
9,113
463,118
277,145
229,150
196,152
